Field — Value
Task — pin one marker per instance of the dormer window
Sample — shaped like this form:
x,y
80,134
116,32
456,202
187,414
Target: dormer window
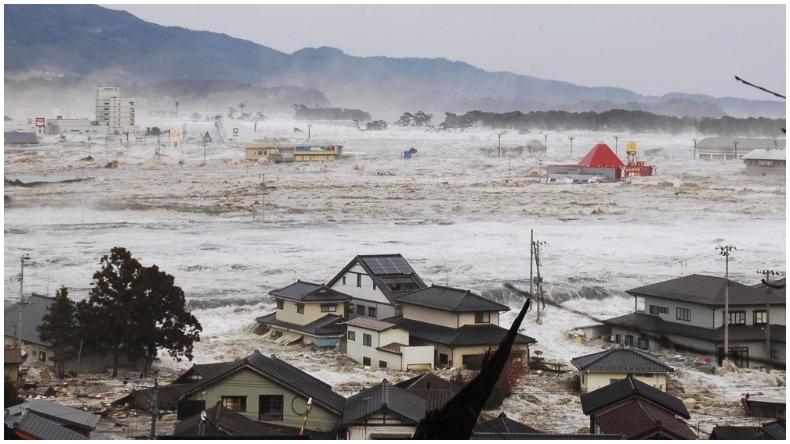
x,y
482,317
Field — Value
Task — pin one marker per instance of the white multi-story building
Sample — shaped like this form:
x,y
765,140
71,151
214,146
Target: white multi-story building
x,y
113,111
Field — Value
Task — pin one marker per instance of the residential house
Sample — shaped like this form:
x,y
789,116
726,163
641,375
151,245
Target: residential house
x,y
433,389
292,153
42,419
381,344
375,282
687,314
503,427
33,311
600,369
770,430
460,325
306,312
12,359
651,413
269,390
221,422
729,148
766,162
383,411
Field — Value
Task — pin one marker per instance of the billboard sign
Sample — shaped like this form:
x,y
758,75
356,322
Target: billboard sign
x,y
41,122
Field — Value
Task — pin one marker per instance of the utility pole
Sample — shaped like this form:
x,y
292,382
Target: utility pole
x,y
22,302
309,130
735,142
531,243
204,153
538,280
616,139
768,274
263,199
695,148
571,139
176,109
725,251
154,408
306,412
499,144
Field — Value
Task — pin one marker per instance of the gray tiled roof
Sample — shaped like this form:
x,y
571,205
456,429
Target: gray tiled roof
x,y
776,429
503,424
478,334
737,433
32,314
42,428
285,374
428,381
328,325
309,292
627,388
53,411
707,290
384,396
451,299
644,421
621,360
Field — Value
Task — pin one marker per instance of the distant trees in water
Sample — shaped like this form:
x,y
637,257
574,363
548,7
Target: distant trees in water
x,y
302,112
615,120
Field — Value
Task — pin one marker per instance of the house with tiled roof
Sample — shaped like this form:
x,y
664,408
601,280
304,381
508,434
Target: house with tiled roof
x,y
33,312
375,282
383,411
687,314
430,387
43,419
381,344
12,357
770,430
600,369
503,427
461,325
651,413
268,390
306,312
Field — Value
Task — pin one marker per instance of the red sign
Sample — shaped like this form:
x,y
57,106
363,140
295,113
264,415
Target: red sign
x,y
40,122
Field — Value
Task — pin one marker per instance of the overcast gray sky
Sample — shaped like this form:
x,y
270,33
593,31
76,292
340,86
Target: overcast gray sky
x,y
650,49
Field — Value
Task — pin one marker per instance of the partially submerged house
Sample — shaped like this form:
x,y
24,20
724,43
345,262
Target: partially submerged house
x,y
766,162
381,344
730,148
307,312
383,411
600,369
278,153
375,282
688,313
650,412
600,164
33,311
460,325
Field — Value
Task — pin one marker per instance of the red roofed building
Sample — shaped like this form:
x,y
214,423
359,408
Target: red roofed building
x,y
601,164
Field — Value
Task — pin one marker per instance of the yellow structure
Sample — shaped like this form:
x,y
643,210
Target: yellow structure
x,y
292,153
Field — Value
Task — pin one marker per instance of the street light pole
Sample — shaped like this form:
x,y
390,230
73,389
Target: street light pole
x,y
616,139
571,139
695,148
735,142
725,251
499,144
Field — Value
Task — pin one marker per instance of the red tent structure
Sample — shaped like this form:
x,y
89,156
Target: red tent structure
x,y
600,164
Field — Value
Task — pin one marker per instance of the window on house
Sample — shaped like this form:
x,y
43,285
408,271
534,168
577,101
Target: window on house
x,y
361,310
656,310
774,354
372,312
683,314
270,408
344,280
365,361
617,338
367,339
443,358
642,343
300,308
374,285
280,304
352,335
737,317
482,317
359,281
383,364
629,341
235,403
328,308
42,356
760,317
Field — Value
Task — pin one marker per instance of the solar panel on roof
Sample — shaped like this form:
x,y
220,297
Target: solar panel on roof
x,y
388,265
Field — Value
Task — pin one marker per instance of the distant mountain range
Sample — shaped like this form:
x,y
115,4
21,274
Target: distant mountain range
x,y
79,47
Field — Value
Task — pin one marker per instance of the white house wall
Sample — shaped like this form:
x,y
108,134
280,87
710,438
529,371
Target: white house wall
x,y
430,315
596,380
775,316
701,316
417,358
